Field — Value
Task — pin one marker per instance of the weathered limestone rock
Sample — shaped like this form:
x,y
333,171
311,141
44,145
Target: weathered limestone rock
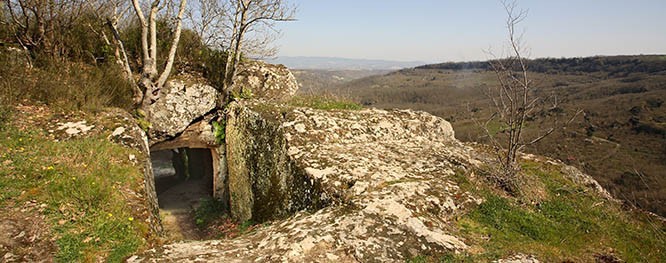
x,y
263,181
75,128
126,131
198,135
574,174
265,81
17,56
386,175
179,105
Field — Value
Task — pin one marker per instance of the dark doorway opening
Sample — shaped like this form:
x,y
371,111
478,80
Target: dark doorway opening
x,y
183,179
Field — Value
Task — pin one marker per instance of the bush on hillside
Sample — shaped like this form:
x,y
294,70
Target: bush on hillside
x,y
65,85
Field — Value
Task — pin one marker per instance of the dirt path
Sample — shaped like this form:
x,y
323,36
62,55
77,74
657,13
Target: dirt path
x,y
177,205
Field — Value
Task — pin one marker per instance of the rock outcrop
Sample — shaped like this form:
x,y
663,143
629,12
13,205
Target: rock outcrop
x,y
265,81
264,183
179,106
125,131
385,176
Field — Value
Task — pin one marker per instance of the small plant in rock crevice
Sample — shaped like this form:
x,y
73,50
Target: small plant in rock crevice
x,y
219,130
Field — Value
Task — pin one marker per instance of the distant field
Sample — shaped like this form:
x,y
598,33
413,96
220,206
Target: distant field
x,y
316,80
619,138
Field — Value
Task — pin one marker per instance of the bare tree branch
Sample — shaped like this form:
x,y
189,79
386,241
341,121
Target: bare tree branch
x,y
248,15
174,45
144,29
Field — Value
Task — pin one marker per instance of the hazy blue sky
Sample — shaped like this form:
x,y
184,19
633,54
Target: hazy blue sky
x,y
443,30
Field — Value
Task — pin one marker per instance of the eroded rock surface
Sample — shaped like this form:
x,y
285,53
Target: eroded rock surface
x,y
179,106
264,182
265,81
386,174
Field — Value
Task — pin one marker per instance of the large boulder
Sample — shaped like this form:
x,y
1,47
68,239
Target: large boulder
x,y
180,104
265,81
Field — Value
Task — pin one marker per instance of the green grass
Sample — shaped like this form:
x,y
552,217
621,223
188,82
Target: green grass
x,y
5,113
324,103
87,186
571,224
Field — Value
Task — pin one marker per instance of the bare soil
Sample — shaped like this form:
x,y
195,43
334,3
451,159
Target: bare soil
x,y
25,236
177,205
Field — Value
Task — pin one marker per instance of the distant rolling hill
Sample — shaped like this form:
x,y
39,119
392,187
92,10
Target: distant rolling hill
x,y
620,138
332,63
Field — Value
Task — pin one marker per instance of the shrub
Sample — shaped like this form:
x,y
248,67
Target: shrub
x,y
65,85
192,55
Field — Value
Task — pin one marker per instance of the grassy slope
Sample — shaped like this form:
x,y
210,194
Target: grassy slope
x,y
628,159
564,223
568,224
88,189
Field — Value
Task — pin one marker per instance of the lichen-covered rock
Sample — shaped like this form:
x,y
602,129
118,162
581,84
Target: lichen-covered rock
x,y
263,182
16,56
265,81
125,131
575,175
385,174
179,105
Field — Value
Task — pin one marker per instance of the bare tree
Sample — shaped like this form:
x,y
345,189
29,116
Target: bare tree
x,y
208,18
511,98
39,24
151,80
514,102
248,17
111,22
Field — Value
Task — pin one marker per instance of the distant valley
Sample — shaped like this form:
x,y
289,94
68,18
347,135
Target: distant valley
x,y
314,81
333,63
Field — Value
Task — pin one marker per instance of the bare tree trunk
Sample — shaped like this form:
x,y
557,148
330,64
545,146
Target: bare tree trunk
x,y
233,55
121,57
151,80
174,46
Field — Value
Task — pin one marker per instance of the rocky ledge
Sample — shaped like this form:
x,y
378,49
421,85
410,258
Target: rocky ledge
x,y
382,187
